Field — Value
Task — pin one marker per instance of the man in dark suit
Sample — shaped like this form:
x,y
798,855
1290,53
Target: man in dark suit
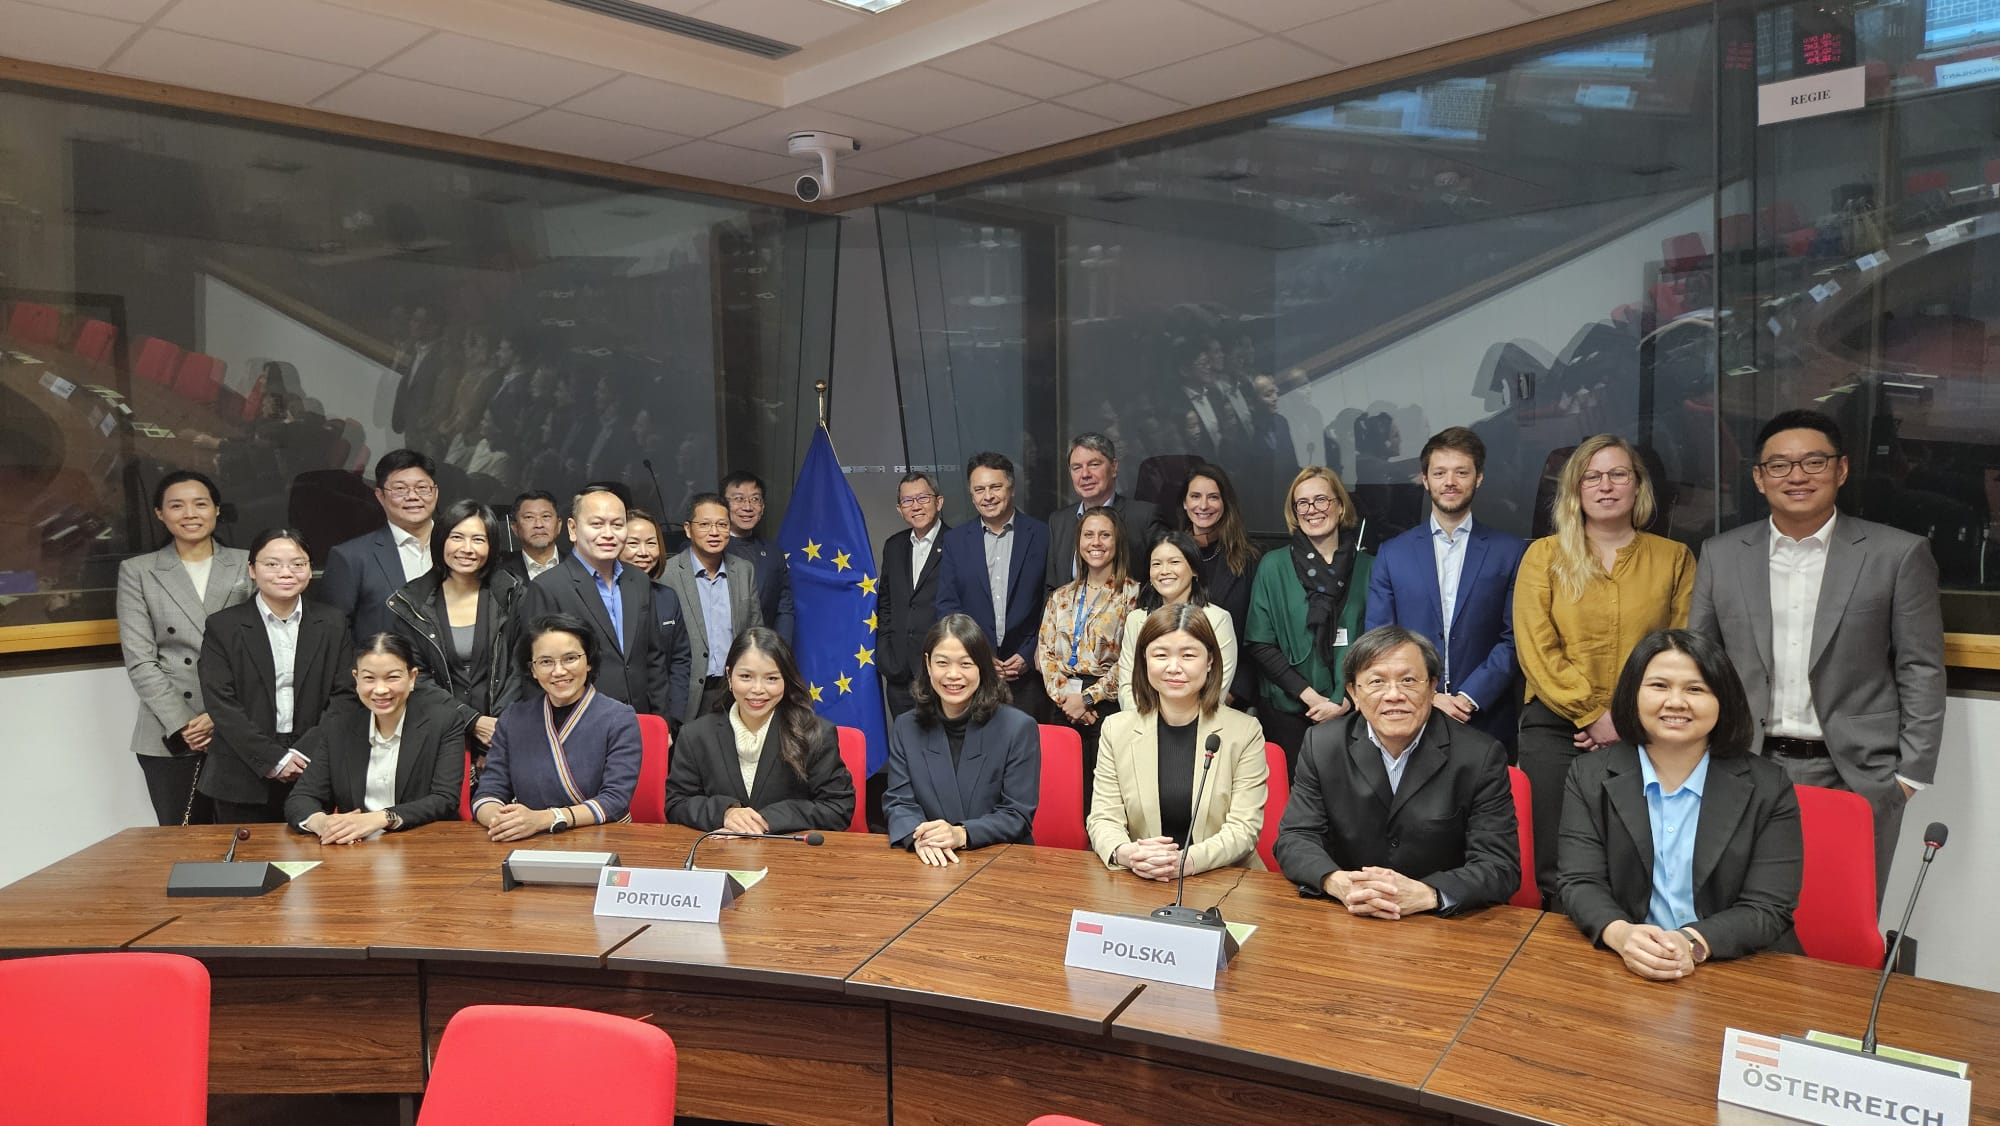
x,y
1452,580
1396,809
1834,627
744,493
993,571
536,526
420,363
906,602
362,573
615,599
1093,473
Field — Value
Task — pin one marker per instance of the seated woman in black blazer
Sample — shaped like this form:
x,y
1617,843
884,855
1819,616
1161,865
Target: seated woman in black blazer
x,y
964,770
394,763
766,764
1681,785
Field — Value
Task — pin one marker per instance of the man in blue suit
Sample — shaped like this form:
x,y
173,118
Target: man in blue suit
x,y
993,570
1451,579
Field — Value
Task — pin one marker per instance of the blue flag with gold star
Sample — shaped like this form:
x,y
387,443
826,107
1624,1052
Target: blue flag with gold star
x,y
825,542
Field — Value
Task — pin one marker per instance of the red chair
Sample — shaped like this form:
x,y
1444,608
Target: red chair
x,y
105,1039
93,341
1835,918
854,752
1918,183
1059,816
1278,794
157,360
1683,253
465,790
1061,1120
649,799
1527,895
533,1064
33,323
198,377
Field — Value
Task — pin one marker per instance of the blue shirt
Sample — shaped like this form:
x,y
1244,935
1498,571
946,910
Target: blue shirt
x,y
614,599
1448,550
1674,818
714,592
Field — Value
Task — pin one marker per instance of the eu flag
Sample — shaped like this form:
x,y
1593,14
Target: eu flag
x,y
825,542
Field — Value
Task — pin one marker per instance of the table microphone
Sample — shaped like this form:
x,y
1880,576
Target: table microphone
x,y
1193,916
814,838
1934,835
240,836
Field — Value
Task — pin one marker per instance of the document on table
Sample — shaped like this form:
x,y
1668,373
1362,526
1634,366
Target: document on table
x,y
293,869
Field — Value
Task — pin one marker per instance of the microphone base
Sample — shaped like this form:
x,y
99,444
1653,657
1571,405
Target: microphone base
x,y
1191,916
217,879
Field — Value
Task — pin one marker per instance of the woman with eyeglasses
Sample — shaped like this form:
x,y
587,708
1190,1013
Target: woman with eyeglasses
x,y
1306,608
569,755
269,668
1582,599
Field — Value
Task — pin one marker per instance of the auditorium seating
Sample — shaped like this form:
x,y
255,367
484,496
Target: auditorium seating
x,y
105,1040
156,360
1278,793
527,1063
1527,895
1835,919
854,752
649,797
33,323
94,341
1059,816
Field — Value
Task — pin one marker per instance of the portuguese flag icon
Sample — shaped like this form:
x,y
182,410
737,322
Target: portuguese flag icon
x,y
614,879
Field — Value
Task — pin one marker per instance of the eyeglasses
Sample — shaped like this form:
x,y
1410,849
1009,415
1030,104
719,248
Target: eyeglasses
x,y
917,501
709,525
1312,504
1380,686
567,660
405,492
1615,476
1813,464
280,566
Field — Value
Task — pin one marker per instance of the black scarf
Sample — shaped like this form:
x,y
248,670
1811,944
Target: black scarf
x,y
1325,587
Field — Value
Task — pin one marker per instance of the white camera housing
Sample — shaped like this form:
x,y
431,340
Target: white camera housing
x,y
829,148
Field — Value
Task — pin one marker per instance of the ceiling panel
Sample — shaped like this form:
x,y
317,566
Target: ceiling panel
x,y
64,38
798,22
137,10
1043,123
1114,38
385,97
1283,15
1121,103
484,67
299,27
560,131
1243,69
1012,70
722,162
663,105
919,156
923,100
768,133
229,68
1397,27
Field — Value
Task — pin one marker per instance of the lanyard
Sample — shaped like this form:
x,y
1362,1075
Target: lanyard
x,y
1076,631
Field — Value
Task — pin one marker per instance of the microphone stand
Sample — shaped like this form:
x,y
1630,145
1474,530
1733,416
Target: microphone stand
x,y
1934,837
1176,913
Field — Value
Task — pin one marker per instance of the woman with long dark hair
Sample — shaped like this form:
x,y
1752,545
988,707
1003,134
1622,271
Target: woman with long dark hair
x,y
767,763
1083,624
459,618
1210,514
964,770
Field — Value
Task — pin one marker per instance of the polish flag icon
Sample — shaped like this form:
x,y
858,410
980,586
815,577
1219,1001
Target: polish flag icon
x,y
1090,928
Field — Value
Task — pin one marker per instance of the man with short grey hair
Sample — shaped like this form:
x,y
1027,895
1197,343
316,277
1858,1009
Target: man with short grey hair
x,y
1397,808
906,600
1093,473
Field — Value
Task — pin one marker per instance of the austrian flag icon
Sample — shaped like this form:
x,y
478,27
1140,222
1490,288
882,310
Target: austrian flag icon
x,y
1090,928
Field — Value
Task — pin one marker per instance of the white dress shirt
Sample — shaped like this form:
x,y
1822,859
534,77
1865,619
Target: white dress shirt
x,y
537,570
416,554
379,792
920,551
1448,550
283,634
749,747
1797,566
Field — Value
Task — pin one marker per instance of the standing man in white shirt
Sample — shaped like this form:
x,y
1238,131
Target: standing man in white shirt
x,y
362,573
536,525
1833,624
906,603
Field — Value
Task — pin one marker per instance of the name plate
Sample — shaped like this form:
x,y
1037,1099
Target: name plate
x,y
1830,92
687,895
1137,946
1836,1086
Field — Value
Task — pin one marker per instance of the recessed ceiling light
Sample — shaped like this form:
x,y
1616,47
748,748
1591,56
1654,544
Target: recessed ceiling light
x,y
867,5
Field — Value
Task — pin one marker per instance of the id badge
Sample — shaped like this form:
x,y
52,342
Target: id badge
x,y
1340,637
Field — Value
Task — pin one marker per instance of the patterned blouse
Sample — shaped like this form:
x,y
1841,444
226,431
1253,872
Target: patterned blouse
x,y
1067,651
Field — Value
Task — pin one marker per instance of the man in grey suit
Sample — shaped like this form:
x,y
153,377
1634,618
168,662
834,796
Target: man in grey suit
x,y
362,573
718,593
1093,473
1833,624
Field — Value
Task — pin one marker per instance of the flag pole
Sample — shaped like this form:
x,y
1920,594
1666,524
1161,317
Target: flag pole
x,y
820,387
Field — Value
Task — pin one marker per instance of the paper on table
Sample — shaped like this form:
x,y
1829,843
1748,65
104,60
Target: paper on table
x,y
1241,932
749,879
1935,1063
293,869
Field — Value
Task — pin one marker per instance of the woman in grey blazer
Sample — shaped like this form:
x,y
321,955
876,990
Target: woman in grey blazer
x,y
164,600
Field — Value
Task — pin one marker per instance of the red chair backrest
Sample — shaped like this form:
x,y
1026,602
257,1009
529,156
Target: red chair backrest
x,y
1277,795
854,752
198,377
1061,1120
528,1063
157,360
93,341
1835,918
1527,895
34,323
1059,814
649,798
465,790
253,403
104,1038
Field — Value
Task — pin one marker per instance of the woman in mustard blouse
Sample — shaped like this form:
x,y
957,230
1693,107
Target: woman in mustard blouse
x,y
1583,598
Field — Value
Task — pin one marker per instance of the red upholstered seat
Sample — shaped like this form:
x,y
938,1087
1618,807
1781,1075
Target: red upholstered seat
x,y
1278,794
854,752
93,341
527,1063
34,323
649,797
105,1040
1527,895
1059,815
1835,918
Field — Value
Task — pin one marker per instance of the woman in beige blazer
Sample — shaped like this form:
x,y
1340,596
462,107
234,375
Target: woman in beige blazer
x,y
1151,760
164,600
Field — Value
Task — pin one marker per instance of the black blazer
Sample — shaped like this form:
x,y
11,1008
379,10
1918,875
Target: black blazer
x,y
992,791
496,678
1231,591
1749,854
239,681
705,780
774,583
430,765
1450,824
1136,516
360,576
637,676
905,611
670,636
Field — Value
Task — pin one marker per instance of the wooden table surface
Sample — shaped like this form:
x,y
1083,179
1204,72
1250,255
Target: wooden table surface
x,y
1569,1035
1360,1004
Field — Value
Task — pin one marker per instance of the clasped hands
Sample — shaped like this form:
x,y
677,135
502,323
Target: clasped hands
x,y
1078,709
1379,893
1651,952
937,842
1150,858
1319,709
1600,733
345,828
516,822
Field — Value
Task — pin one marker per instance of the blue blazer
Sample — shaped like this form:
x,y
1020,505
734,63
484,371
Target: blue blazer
x,y
774,583
603,753
360,576
963,589
1403,589
993,791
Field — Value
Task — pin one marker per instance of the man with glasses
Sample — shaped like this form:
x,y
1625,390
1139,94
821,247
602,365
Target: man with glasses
x,y
906,601
1397,808
362,573
1833,624
718,594
743,491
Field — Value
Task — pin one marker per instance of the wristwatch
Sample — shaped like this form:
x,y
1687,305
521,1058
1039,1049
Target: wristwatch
x,y
1696,946
561,823
391,821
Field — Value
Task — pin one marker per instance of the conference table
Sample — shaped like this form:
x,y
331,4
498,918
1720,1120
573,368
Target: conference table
x,y
857,985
